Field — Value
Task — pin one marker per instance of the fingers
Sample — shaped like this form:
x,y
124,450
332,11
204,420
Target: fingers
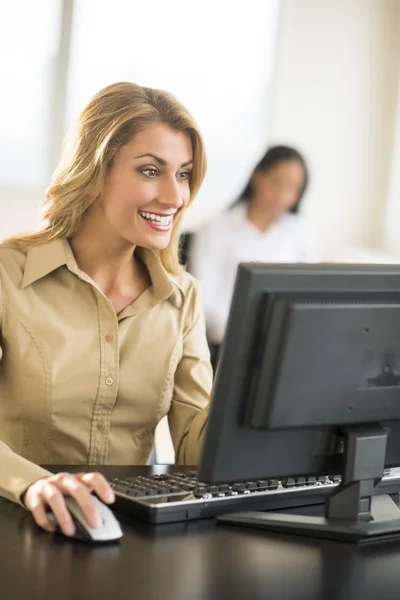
x,y
50,492
34,503
40,515
53,496
98,483
72,486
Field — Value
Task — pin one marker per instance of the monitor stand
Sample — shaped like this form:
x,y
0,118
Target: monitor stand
x,y
352,512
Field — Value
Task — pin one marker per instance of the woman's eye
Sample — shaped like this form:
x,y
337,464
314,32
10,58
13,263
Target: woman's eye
x,y
185,175
150,173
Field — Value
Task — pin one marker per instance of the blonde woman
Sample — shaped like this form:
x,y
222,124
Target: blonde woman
x,y
102,334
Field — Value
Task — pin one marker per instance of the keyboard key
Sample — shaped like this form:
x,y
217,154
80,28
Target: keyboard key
x,y
262,485
288,482
200,491
273,484
251,485
225,488
119,489
239,487
162,491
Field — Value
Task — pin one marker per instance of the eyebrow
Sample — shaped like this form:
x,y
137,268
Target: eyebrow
x,y
161,161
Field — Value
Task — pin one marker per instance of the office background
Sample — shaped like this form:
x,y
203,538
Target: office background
x,y
321,75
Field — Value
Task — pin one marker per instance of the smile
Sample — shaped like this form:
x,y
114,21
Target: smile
x,y
159,222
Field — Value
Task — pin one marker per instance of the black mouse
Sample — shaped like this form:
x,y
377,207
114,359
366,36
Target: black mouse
x,y
109,530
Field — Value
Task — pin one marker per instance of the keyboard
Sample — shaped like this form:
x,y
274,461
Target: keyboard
x,y
173,497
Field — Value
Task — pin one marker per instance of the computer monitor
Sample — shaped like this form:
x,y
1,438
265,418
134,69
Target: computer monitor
x,y
308,384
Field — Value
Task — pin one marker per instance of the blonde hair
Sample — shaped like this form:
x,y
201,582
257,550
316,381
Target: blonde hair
x,y
107,123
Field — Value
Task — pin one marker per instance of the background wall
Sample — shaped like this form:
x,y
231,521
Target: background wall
x,y
335,95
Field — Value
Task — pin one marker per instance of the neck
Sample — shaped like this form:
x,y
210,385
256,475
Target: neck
x,y
106,260
258,216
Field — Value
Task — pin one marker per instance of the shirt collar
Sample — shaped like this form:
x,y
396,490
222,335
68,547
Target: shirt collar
x,y
45,258
164,285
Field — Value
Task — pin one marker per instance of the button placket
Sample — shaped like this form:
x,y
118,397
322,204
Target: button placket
x,y
109,365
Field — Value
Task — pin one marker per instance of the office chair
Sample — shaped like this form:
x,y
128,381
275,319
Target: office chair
x,y
184,247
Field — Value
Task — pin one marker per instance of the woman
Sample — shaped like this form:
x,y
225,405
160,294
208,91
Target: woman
x,y
262,225
102,334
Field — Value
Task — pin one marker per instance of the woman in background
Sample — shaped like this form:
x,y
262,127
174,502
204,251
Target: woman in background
x,y
263,225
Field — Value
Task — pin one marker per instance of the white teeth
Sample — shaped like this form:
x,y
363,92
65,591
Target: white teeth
x,y
167,220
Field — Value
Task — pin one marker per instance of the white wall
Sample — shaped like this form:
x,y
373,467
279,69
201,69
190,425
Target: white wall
x,y
334,97
19,210
390,233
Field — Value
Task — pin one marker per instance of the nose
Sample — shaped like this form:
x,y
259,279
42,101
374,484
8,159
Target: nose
x,y
171,194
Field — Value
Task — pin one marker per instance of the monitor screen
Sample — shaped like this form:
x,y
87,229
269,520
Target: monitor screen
x,y
311,355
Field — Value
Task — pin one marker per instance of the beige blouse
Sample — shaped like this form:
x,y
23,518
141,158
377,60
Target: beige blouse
x,y
80,384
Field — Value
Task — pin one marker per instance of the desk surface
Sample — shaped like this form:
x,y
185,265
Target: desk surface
x,y
188,561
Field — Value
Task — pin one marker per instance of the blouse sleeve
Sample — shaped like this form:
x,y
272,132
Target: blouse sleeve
x,y
192,386
16,473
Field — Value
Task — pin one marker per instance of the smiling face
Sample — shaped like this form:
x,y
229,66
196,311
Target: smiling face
x,y
148,186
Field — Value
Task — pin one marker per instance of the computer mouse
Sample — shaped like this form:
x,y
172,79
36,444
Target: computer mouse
x,y
109,530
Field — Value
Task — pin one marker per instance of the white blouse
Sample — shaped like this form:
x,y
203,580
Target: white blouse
x,y
229,239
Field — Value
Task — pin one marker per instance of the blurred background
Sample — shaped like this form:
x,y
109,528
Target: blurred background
x,y
320,75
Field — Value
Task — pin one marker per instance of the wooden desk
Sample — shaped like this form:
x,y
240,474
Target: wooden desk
x,y
187,561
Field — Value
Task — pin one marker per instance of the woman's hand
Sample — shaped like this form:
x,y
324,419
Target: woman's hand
x,y
50,492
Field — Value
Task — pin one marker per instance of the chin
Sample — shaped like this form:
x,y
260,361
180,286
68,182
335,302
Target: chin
x,y
152,243
156,246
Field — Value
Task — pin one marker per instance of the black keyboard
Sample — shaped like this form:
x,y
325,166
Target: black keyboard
x,y
167,498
